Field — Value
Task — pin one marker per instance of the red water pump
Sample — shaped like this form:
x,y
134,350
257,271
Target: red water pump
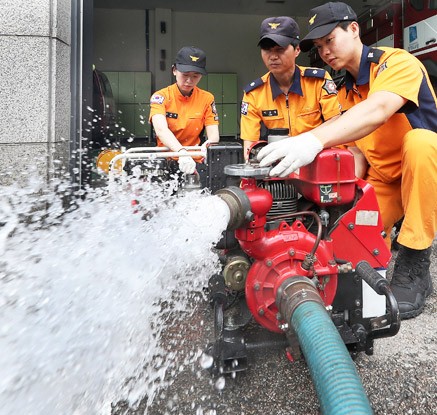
x,y
319,225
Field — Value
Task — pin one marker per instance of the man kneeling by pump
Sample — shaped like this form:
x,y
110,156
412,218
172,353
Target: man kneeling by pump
x,y
391,115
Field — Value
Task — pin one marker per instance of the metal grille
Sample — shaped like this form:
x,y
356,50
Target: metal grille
x,y
284,197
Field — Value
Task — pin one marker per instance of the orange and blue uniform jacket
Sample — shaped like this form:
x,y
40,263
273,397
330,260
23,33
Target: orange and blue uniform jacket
x,y
311,100
402,153
186,115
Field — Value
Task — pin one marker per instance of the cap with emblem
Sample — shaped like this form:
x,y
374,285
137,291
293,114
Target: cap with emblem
x,y
282,30
324,19
191,59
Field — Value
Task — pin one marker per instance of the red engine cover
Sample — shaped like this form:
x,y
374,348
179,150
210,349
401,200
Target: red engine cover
x,y
266,276
330,179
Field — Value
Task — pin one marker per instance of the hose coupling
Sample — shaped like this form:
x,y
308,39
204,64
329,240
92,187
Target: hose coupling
x,y
293,292
238,204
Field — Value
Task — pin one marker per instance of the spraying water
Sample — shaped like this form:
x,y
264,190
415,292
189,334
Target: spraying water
x,y
81,291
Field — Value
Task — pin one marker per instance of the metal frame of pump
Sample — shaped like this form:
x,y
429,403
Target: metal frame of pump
x,y
151,161
150,153
327,242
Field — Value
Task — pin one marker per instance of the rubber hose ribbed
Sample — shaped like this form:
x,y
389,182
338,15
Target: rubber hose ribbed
x,y
334,374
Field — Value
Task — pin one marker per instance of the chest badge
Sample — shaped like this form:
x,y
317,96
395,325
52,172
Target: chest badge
x,y
269,113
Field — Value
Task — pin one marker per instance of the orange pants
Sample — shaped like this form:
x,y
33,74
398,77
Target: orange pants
x,y
414,195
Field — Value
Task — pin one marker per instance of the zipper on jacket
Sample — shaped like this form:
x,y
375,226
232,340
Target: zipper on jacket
x,y
288,114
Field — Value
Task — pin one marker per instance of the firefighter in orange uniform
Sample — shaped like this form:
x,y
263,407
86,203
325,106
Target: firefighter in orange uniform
x,y
288,96
180,112
392,118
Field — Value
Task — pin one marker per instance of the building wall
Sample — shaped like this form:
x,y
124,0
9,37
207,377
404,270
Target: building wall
x,y
34,88
35,75
119,40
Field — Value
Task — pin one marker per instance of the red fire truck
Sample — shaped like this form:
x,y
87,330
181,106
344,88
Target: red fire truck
x,y
408,24
420,33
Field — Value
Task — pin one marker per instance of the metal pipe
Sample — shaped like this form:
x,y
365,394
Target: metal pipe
x,y
152,155
156,149
305,213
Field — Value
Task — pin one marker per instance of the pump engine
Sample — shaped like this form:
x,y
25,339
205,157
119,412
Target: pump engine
x,y
316,235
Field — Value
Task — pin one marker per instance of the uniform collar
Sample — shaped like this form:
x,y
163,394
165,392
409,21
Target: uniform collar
x,y
363,72
179,93
295,87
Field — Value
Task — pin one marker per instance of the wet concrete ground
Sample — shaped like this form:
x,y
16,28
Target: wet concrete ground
x,y
400,378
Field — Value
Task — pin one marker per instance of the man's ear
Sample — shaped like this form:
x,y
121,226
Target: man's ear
x,y
355,28
297,51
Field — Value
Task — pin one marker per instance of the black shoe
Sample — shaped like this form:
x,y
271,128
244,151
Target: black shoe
x,y
411,282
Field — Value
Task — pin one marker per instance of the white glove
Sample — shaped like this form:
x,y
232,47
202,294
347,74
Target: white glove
x,y
204,149
295,152
186,164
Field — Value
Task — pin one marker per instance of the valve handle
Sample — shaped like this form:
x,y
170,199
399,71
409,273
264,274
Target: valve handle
x,y
371,276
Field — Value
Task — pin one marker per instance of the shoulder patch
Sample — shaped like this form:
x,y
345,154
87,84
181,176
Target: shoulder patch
x,y
157,99
382,68
244,108
330,87
213,108
374,55
253,85
315,73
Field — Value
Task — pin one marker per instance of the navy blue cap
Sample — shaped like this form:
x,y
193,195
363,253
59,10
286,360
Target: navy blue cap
x,y
282,30
191,59
324,19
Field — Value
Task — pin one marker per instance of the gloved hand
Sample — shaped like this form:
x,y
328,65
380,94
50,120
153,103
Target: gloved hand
x,y
204,149
186,164
294,151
